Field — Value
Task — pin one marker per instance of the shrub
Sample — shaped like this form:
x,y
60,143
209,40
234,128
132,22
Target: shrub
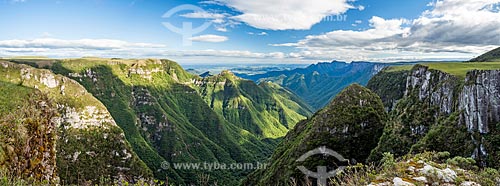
x,y
464,163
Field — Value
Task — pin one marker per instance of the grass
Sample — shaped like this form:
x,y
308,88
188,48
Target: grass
x,y
399,68
10,102
458,69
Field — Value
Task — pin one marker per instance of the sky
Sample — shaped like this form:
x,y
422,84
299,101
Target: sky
x,y
251,31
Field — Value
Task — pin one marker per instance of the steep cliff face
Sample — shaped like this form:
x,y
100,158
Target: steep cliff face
x,y
171,116
85,127
437,87
442,112
480,100
349,125
480,106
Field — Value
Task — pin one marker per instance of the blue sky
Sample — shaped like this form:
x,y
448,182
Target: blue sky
x,y
258,31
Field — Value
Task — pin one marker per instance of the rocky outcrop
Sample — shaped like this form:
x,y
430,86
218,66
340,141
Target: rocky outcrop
x,y
437,87
87,117
88,136
437,101
146,73
480,100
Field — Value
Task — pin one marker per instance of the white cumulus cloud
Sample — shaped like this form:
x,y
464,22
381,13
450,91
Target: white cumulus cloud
x,y
285,14
51,43
203,15
209,38
460,28
58,48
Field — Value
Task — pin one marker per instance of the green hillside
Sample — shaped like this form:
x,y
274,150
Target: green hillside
x,y
169,115
493,55
458,69
266,110
349,125
90,146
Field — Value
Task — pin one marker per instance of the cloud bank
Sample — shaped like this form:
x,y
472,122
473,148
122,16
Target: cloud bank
x,y
459,28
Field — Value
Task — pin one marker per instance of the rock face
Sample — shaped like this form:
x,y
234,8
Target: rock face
x,y
480,100
171,116
436,85
350,125
435,101
89,143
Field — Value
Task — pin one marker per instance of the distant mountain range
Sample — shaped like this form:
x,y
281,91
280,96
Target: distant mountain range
x,y
435,114
317,84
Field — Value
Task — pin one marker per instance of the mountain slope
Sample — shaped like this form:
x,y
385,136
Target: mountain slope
x,y
355,116
493,55
319,83
89,143
443,112
266,110
165,118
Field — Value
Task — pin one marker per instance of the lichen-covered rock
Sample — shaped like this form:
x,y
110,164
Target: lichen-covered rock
x,y
419,169
444,175
399,182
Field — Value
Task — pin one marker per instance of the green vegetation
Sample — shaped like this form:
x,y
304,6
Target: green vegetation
x,y
390,85
153,111
458,69
170,115
415,125
493,55
319,83
266,109
355,117
420,169
9,102
81,138
28,136
398,68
